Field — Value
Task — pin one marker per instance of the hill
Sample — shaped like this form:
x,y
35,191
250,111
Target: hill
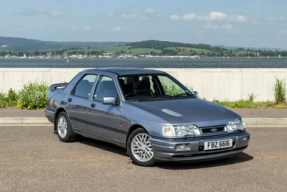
x,y
15,44
165,44
154,47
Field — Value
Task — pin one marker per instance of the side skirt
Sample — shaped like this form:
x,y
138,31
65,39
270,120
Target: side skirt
x,y
99,137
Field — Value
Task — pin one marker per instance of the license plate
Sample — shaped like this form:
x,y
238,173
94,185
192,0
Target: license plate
x,y
217,144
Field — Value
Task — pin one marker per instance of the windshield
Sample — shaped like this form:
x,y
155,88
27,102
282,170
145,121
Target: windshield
x,y
152,87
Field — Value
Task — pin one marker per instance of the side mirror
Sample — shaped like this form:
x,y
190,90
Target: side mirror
x,y
109,101
194,93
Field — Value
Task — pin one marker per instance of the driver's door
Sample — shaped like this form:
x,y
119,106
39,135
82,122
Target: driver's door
x,y
104,119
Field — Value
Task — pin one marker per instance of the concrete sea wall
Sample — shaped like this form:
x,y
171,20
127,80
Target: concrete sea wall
x,y
220,83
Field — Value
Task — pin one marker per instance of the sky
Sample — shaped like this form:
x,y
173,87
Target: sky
x,y
252,23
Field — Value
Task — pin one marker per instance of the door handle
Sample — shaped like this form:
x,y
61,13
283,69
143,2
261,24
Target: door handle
x,y
93,105
70,99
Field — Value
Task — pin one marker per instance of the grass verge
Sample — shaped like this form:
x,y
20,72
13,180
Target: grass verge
x,y
252,105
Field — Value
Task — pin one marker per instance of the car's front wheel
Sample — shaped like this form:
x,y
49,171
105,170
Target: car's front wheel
x,y
64,128
140,149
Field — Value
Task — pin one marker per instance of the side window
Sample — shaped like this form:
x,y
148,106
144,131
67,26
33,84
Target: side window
x,y
83,88
105,88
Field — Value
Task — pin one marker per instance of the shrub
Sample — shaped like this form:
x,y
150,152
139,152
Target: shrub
x,y
269,104
251,97
280,91
9,100
174,90
240,104
33,96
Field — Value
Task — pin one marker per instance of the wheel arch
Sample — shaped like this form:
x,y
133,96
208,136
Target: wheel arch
x,y
131,129
59,110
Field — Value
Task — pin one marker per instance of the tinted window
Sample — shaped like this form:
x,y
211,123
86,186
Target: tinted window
x,y
137,87
83,88
105,88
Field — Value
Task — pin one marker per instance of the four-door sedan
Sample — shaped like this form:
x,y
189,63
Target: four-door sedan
x,y
148,112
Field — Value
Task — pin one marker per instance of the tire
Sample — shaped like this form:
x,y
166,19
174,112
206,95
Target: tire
x,y
64,128
140,152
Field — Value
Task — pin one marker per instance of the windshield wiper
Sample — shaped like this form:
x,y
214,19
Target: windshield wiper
x,y
152,97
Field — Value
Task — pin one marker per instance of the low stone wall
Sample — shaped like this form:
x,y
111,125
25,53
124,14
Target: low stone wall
x,y
222,84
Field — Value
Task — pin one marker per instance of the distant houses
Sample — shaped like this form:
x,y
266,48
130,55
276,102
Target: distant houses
x,y
252,53
182,49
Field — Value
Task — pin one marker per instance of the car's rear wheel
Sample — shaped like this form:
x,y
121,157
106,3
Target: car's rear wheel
x,y
140,148
64,128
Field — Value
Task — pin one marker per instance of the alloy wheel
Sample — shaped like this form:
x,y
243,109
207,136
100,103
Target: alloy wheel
x,y
141,147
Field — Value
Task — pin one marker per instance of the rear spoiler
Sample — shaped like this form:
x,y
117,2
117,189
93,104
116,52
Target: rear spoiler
x,y
55,86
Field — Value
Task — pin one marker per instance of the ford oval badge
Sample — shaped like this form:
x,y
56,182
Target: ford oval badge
x,y
213,130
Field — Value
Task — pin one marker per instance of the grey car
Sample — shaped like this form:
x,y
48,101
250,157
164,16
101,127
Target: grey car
x,y
148,112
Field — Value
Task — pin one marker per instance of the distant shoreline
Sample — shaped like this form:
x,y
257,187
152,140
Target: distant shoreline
x,y
232,62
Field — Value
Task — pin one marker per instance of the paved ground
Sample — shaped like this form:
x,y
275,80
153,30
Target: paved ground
x,y
262,113
33,159
21,113
245,113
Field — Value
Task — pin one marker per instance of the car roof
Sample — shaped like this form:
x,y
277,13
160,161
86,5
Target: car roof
x,y
127,71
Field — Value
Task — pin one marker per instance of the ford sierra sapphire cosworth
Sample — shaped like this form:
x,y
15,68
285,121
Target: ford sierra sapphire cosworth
x,y
148,112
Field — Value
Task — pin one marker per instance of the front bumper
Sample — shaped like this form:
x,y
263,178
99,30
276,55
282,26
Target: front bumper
x,y
165,149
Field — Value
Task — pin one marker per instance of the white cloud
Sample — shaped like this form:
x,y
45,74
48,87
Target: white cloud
x,y
276,19
110,15
208,26
129,16
190,17
227,26
215,16
57,13
174,17
149,11
87,28
134,16
118,29
282,32
41,11
27,26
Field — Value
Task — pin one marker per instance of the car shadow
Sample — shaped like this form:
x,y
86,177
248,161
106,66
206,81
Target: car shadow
x,y
240,158
102,145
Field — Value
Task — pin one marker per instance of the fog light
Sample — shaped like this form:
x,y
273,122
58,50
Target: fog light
x,y
182,147
245,138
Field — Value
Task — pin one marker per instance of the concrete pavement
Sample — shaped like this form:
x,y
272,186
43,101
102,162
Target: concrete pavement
x,y
33,159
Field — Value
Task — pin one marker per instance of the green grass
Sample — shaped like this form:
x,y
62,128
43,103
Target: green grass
x,y
250,104
198,51
141,51
113,50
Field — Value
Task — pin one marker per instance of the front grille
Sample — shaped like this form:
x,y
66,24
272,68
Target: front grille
x,y
213,129
209,130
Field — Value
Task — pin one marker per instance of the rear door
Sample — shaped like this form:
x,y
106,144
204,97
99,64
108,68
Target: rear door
x,y
78,102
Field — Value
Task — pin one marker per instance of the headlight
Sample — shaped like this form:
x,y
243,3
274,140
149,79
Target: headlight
x,y
235,125
180,130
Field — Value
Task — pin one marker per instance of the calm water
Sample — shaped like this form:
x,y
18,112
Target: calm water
x,y
146,63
